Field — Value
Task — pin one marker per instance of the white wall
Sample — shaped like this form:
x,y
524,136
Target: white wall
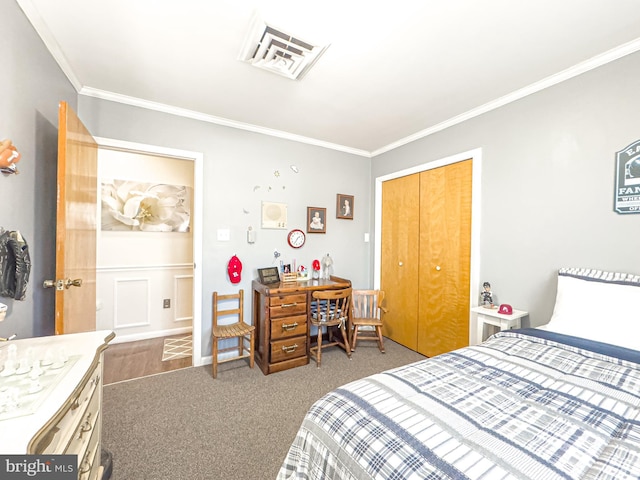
x,y
137,270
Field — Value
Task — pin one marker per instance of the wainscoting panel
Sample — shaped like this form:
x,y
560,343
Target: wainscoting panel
x,y
131,302
183,293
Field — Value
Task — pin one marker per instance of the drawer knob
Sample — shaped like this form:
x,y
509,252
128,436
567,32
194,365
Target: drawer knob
x,y
289,348
86,426
290,326
85,466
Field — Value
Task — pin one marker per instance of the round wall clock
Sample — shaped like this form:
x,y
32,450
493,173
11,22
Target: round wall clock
x,y
296,238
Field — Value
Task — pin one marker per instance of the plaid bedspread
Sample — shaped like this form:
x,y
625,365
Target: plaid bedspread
x,y
515,407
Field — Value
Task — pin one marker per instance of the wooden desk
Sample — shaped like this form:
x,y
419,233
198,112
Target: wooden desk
x,y
281,317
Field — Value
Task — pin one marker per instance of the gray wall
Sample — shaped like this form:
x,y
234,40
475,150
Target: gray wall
x,y
547,182
32,85
235,163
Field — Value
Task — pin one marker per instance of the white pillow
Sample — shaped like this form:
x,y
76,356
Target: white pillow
x,y
597,305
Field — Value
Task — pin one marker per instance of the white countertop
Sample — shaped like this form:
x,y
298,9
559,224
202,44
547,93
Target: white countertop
x,y
58,382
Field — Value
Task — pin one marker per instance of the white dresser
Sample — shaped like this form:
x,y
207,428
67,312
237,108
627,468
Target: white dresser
x,y
51,397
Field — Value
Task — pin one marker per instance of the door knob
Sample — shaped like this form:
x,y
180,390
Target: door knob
x,y
62,284
73,283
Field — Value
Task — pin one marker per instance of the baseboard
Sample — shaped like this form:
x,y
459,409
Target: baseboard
x,y
147,335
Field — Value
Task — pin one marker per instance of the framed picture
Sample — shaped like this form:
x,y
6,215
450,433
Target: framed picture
x,y
274,215
316,220
344,206
269,275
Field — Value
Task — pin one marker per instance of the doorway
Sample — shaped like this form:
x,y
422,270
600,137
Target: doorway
x,y
140,290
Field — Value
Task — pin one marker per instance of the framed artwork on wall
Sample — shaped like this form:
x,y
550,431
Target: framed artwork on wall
x,y
134,206
274,215
316,220
344,206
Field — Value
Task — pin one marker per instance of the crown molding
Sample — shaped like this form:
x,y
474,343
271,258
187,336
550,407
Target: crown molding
x,y
571,72
183,112
49,41
580,68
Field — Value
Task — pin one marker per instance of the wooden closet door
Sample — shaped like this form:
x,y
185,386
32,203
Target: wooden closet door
x,y
399,258
445,256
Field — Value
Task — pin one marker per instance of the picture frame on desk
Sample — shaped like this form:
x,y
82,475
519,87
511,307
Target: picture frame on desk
x,y
269,275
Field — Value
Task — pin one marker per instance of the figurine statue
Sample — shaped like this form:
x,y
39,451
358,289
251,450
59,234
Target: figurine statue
x,y
486,295
327,267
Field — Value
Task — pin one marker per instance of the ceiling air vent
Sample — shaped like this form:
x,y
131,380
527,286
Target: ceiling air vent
x,y
279,52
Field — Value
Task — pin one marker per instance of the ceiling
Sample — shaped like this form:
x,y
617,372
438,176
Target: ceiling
x,y
394,71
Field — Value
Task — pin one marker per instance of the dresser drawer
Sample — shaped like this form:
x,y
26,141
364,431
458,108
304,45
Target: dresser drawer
x,y
89,461
285,305
59,436
87,425
288,327
288,348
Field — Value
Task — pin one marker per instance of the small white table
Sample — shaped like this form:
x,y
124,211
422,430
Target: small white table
x,y
490,316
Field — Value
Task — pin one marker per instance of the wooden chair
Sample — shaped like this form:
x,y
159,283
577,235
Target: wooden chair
x,y
366,311
330,308
225,306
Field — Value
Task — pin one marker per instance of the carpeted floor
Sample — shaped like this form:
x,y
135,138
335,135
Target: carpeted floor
x,y
186,425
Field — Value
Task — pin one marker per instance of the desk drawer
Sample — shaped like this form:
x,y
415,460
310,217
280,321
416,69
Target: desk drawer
x,y
288,327
288,348
286,305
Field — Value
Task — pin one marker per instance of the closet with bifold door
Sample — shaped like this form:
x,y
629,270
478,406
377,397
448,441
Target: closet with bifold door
x,y
426,258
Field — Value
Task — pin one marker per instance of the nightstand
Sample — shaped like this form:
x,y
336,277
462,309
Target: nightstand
x,y
490,316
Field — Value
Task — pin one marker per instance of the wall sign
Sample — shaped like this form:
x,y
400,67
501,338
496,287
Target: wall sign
x,y
627,196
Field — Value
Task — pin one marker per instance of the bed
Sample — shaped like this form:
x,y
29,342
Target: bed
x,y
561,401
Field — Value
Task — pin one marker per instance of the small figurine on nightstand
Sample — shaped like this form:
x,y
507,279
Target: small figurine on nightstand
x,y
486,295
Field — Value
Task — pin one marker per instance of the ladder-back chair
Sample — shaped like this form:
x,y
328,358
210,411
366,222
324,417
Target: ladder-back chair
x,y
366,311
231,305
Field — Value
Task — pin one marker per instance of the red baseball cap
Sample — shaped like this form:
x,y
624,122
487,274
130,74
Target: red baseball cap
x,y
235,269
505,309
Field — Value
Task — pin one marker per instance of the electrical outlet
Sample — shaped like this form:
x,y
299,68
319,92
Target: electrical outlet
x,y
166,303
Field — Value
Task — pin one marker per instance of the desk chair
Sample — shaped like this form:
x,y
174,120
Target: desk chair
x,y
366,311
231,305
330,308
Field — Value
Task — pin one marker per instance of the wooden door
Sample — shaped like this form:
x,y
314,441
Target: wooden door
x,y
75,309
445,258
399,258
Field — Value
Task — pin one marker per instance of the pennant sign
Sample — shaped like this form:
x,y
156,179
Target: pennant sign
x,y
627,196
